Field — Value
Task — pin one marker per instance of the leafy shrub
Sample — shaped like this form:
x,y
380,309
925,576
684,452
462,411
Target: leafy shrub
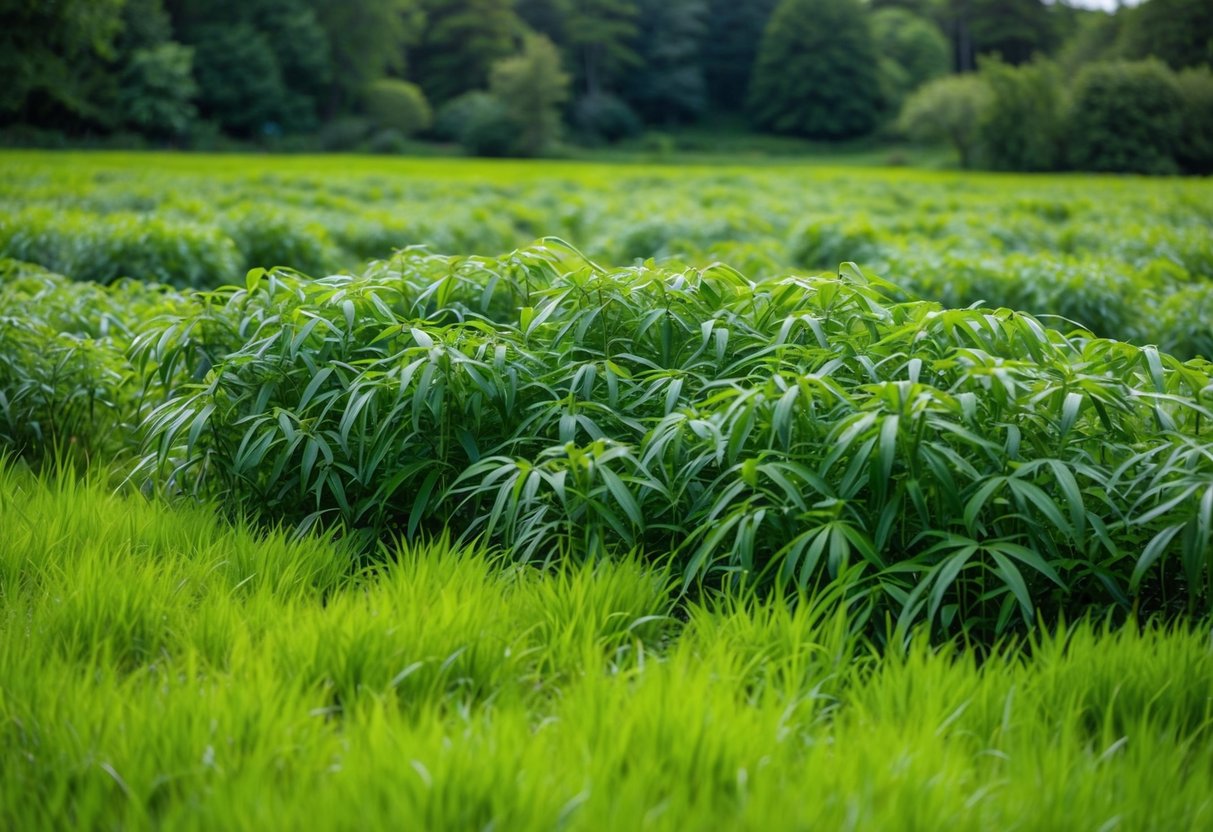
x,y
387,142
532,85
1023,126
1125,117
605,117
970,467
948,109
398,105
345,134
819,245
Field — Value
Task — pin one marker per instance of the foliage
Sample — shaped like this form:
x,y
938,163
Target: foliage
x,y
158,90
459,43
1178,32
1023,126
948,109
967,467
398,105
240,83
734,34
668,83
606,117
532,86
816,74
227,676
1194,148
1125,117
911,51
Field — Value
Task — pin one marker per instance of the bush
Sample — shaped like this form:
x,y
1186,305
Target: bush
x,y
816,74
488,129
948,109
1023,128
456,116
605,117
347,133
398,105
1194,148
1125,118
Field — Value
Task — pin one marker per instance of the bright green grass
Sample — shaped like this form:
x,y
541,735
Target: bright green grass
x,y
160,669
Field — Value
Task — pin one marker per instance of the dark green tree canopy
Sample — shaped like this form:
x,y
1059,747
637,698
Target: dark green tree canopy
x,y
816,74
459,43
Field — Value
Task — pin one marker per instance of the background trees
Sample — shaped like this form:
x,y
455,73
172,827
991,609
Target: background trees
x,y
816,73
315,73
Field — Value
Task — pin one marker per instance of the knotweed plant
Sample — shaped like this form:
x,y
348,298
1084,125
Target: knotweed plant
x,y
969,467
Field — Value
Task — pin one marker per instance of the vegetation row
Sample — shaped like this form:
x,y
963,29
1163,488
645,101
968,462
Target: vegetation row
x,y
973,468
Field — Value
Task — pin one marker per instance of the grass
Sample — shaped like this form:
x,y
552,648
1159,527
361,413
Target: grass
x,y
160,669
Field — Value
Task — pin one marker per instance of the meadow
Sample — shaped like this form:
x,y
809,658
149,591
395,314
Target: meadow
x,y
557,495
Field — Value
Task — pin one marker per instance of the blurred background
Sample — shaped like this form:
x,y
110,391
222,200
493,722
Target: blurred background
x,y
1000,84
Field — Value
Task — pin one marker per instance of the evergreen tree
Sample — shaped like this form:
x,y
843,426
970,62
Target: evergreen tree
x,y
601,38
816,74
1179,32
668,83
734,33
54,60
461,41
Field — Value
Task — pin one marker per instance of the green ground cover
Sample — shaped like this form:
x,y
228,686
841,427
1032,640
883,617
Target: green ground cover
x,y
160,669
1129,258
324,485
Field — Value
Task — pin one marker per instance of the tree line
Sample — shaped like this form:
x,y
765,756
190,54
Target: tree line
x,y
512,76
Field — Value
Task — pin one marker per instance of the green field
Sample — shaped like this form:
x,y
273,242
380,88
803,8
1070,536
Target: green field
x,y
357,493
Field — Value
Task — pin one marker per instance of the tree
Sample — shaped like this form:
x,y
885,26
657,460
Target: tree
x,y
816,74
158,89
532,86
367,40
601,34
948,109
668,83
912,51
53,59
1023,126
460,42
1179,32
734,33
1194,151
1125,117
239,82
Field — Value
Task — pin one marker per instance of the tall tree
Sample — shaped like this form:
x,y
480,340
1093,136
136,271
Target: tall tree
x,y
601,38
460,42
532,86
1179,32
1013,30
734,33
816,74
668,84
912,51
53,59
367,40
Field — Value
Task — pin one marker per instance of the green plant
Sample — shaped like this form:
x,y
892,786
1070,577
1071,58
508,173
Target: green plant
x,y
799,84
1125,117
398,105
948,109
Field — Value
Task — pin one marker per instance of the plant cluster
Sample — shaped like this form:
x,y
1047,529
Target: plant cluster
x,y
970,467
